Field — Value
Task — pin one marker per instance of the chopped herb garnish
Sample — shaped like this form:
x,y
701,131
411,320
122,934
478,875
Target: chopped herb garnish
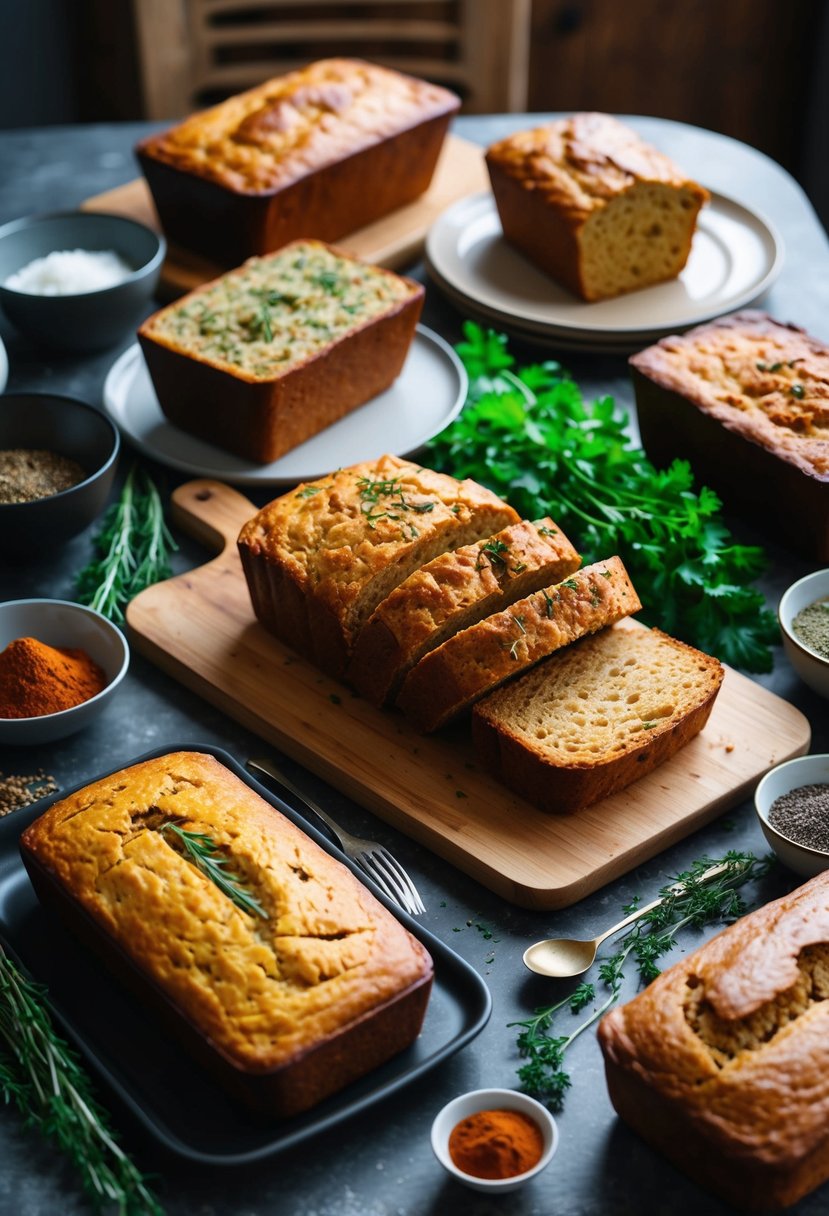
x,y
372,490
797,390
494,551
548,604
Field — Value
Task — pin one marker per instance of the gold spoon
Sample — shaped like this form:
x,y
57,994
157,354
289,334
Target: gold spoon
x,y
563,957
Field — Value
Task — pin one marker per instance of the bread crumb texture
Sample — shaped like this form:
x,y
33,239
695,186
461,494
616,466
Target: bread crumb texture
x,y
765,380
295,124
260,989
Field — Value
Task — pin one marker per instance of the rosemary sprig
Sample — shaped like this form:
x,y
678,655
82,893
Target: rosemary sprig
x,y
687,900
204,853
133,547
42,1076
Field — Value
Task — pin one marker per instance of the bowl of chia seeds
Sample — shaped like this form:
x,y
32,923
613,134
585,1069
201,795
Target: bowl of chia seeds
x,y
803,615
792,805
57,464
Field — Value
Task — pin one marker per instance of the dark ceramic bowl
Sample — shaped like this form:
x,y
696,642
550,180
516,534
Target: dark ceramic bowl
x,y
70,428
91,320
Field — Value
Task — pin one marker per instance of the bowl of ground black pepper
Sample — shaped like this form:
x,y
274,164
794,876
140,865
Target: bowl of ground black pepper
x,y
60,666
803,614
58,458
792,804
494,1140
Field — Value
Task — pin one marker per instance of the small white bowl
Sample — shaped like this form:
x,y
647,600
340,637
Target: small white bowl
x,y
492,1099
804,770
63,624
812,669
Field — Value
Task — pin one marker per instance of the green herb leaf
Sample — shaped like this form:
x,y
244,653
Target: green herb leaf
x,y
531,437
203,851
43,1077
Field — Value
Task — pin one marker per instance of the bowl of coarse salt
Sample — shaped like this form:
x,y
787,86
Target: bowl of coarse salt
x,y
78,280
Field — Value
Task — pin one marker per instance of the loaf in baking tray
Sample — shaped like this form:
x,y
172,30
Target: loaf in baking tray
x,y
595,717
473,662
450,593
319,152
722,1063
593,205
268,355
319,559
745,398
285,1002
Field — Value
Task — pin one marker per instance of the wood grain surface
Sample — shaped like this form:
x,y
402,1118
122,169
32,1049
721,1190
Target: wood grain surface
x,y
395,241
200,627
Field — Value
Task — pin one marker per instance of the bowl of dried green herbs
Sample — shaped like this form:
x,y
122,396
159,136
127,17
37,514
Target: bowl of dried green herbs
x,y
803,615
57,464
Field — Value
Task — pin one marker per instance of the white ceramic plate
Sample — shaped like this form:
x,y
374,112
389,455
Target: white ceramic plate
x,y
426,396
4,366
735,257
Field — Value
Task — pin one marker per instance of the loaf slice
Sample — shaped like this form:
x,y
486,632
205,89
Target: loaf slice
x,y
593,205
321,558
475,661
593,719
450,593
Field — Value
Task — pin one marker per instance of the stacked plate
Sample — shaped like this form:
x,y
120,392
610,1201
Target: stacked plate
x,y
735,257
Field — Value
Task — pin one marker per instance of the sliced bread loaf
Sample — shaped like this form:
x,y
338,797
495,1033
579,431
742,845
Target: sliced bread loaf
x,y
320,559
589,721
476,660
450,593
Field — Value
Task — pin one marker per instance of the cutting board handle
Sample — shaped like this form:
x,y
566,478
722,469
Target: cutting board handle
x,y
210,511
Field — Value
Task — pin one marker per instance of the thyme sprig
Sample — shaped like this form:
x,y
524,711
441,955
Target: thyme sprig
x,y
43,1077
529,435
133,547
688,900
204,853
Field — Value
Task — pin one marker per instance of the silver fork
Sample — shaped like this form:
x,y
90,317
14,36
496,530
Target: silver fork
x,y
371,856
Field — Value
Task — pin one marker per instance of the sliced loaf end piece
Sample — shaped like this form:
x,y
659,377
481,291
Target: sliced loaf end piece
x,y
589,721
477,660
452,592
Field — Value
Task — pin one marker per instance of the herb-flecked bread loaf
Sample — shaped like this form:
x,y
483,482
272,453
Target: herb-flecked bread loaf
x,y
321,151
450,593
593,718
745,398
722,1062
268,355
473,662
593,205
285,1001
319,559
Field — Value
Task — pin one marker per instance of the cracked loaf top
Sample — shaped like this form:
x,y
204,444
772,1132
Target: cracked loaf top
x,y
263,988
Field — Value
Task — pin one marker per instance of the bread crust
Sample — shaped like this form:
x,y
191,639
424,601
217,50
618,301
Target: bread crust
x,y
323,151
710,396
283,1009
477,660
722,1063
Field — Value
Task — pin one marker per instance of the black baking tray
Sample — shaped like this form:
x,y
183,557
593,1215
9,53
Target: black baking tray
x,y
130,1054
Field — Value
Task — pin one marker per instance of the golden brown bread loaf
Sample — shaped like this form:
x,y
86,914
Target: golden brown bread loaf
x,y
590,720
722,1063
319,559
477,660
450,593
266,356
745,398
285,1008
593,205
319,152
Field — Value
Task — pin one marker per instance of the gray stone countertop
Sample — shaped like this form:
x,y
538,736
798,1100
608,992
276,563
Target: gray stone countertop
x,y
380,1163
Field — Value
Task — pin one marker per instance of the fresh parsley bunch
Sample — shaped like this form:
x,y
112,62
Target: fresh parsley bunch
x,y
530,436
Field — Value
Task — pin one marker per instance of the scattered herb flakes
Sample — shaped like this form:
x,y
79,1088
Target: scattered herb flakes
x,y
373,489
335,698
494,551
686,900
461,794
797,390
529,435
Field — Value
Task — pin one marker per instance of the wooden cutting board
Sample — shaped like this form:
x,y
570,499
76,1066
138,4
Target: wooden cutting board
x,y
200,627
395,241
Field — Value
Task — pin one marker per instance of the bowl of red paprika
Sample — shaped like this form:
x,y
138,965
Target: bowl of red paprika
x,y
494,1140
60,665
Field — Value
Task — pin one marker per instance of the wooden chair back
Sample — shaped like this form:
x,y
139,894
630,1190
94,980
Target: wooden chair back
x,y
193,53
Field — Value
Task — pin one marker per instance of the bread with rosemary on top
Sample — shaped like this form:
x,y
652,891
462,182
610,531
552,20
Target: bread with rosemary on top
x,y
477,660
319,559
268,355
